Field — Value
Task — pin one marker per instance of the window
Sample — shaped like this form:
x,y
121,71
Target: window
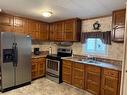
x,y
95,46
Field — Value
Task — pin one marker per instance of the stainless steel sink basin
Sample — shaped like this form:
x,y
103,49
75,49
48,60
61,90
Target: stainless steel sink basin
x,y
88,61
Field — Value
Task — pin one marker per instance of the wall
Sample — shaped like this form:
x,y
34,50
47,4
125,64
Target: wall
x,y
115,51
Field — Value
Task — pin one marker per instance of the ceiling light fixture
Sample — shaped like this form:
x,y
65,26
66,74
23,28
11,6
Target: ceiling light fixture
x,y
0,10
47,13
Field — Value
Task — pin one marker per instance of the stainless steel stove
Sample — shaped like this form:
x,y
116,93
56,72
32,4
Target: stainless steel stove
x,y
54,64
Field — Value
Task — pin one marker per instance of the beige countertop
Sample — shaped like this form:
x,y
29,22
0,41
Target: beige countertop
x,y
42,54
99,64
38,56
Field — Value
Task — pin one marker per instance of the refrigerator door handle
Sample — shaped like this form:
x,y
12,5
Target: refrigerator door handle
x,y
15,54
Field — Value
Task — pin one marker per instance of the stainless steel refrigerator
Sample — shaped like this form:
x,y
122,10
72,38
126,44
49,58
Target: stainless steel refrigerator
x,y
15,60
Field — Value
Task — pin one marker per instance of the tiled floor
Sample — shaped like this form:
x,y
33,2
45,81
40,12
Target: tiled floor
x,y
44,86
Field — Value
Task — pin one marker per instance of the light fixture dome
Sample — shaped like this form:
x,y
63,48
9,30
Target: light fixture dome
x,y
47,13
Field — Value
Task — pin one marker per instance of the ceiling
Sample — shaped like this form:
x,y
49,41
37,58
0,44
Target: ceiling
x,y
62,9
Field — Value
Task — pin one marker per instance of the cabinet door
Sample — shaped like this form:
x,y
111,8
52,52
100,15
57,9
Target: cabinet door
x,y
44,32
78,75
119,18
93,78
6,23
110,82
34,68
69,30
33,29
58,29
20,25
41,67
67,71
109,85
52,32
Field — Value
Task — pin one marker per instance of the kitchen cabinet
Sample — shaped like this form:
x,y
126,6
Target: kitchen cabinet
x,y
58,30
51,32
44,31
72,30
38,67
78,75
93,79
118,25
6,22
119,18
20,25
110,84
67,71
33,29
66,30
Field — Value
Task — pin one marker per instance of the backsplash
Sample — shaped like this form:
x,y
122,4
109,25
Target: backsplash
x,y
115,50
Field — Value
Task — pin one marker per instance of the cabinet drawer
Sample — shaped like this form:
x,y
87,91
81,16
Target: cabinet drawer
x,y
67,63
95,69
78,66
111,73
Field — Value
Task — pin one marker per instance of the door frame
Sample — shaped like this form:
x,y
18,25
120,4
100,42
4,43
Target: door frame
x,y
123,90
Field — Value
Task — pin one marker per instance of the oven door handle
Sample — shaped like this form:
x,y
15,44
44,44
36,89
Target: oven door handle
x,y
52,60
52,75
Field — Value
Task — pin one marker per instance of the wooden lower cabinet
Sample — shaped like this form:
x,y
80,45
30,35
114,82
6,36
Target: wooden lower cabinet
x,y
93,79
110,84
78,76
38,67
67,71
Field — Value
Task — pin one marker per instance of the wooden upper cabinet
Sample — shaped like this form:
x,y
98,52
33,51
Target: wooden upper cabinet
x,y
6,22
119,18
118,25
44,31
20,25
58,31
51,32
66,30
72,30
33,29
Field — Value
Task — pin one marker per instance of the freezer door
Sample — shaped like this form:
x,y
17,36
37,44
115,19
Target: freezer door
x,y
23,69
7,70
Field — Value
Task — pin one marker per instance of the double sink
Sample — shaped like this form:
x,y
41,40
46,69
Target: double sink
x,y
88,61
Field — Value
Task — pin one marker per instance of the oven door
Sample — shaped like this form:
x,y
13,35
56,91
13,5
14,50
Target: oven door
x,y
52,66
